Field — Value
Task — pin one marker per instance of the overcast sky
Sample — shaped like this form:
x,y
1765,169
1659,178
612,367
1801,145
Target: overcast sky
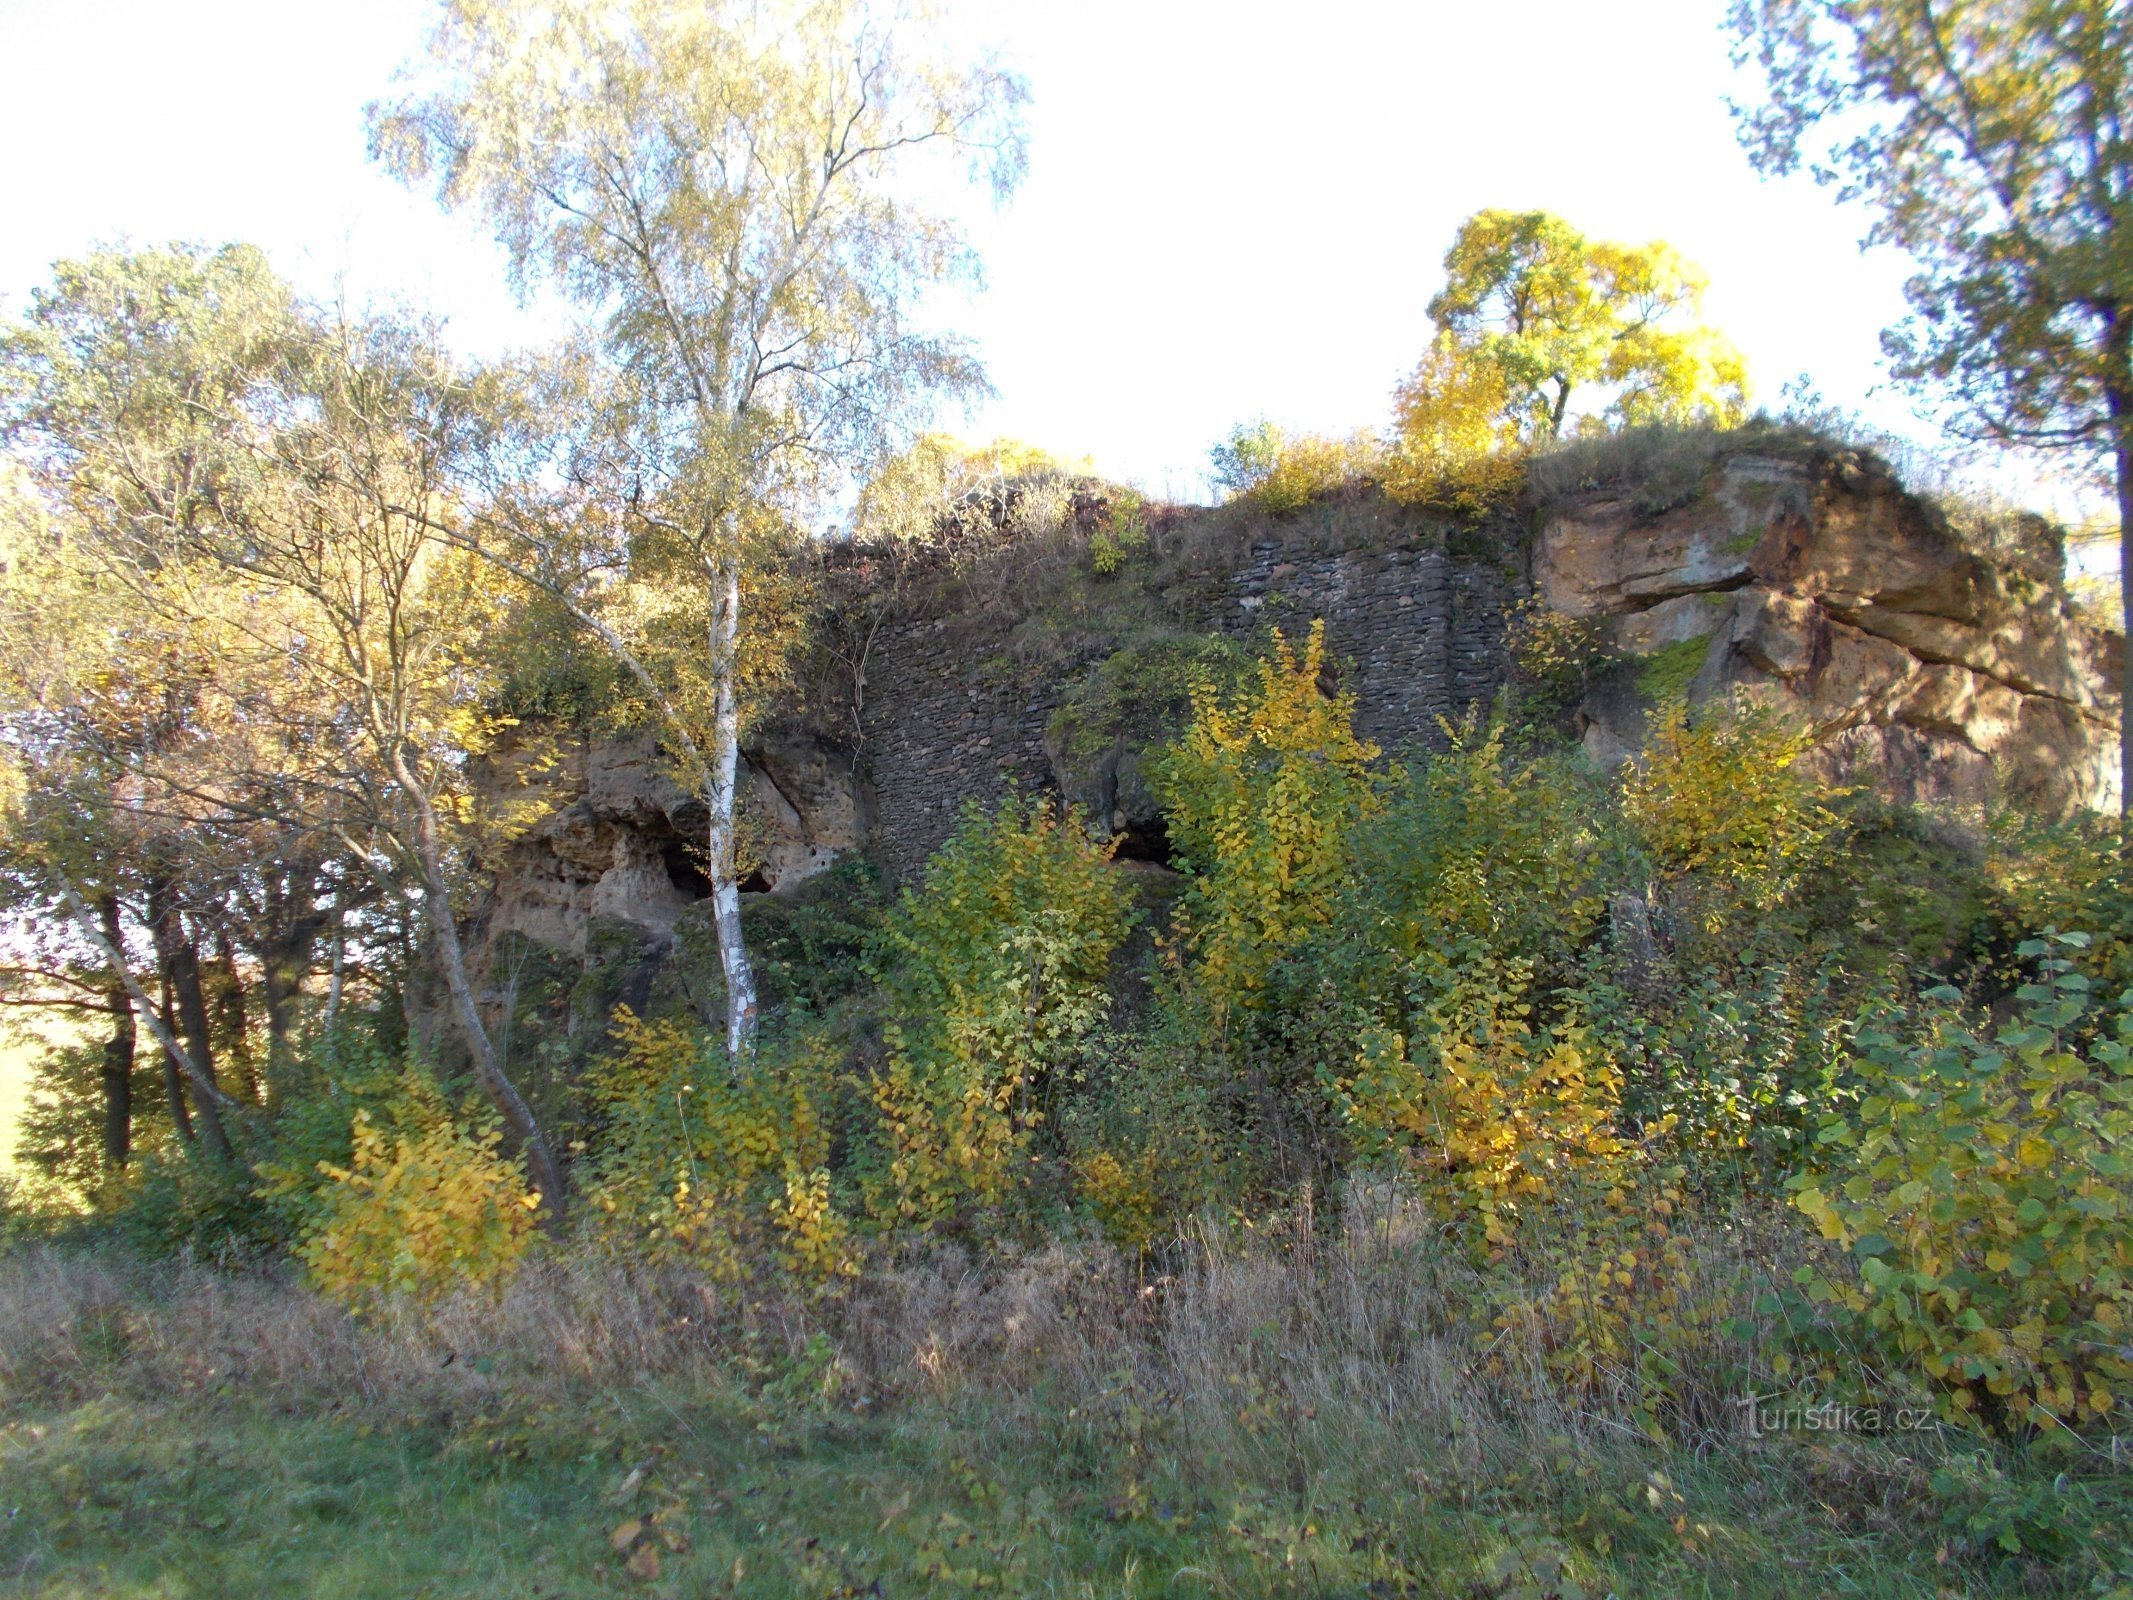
x,y
1233,208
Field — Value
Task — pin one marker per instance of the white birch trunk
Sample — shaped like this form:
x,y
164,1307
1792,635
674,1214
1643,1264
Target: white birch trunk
x,y
725,754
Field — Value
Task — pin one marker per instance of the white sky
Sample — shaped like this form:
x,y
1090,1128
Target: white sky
x,y
1234,208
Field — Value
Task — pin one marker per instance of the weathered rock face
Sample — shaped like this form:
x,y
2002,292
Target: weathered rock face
x,y
1927,669
1936,672
605,833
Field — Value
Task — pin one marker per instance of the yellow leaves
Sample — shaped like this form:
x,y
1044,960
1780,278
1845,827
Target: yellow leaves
x,y
1282,472
1000,975
1261,792
1720,801
417,1213
1125,1197
1551,314
942,488
1306,466
638,1541
722,1166
1499,1122
1455,442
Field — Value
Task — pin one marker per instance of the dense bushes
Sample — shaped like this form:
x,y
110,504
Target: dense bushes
x,y
1260,793
1582,1024
993,979
1281,472
723,1165
418,1211
1984,1187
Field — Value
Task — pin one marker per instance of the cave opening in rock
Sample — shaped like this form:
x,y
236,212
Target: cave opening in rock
x,y
1144,841
683,870
684,864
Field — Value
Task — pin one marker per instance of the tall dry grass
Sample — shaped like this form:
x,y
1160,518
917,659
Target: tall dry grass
x,y
1361,1336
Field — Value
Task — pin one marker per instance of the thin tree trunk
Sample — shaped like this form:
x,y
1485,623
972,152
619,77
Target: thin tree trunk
x,y
451,956
741,1011
178,1067
179,960
117,1070
2119,398
340,958
233,1007
285,956
720,764
181,964
181,1116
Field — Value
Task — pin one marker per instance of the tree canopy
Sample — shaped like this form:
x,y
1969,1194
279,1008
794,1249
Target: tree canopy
x,y
728,192
1550,315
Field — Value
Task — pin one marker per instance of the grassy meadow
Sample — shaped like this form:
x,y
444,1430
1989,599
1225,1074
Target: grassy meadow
x,y
1280,1416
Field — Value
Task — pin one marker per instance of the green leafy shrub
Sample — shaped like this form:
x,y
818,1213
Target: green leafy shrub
x,y
1985,1189
1149,1138
1737,1063
1241,463
1727,816
2069,874
808,946
1555,658
1127,706
993,978
1495,1118
1478,860
1280,472
1124,529
721,1164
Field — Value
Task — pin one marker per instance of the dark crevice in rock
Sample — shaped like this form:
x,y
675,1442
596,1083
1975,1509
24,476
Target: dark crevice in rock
x,y
684,869
1144,841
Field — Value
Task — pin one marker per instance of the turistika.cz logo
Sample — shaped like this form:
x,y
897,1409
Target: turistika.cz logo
x,y
1765,1414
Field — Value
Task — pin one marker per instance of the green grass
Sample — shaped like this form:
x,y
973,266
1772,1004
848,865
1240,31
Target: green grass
x,y
222,1495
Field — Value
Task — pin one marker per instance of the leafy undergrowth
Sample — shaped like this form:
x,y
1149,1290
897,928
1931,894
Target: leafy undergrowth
x,y
923,1451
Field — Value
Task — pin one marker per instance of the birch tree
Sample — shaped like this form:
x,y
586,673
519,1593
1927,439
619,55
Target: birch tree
x,y
734,194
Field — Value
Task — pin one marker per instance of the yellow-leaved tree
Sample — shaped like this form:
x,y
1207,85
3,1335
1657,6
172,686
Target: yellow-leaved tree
x,y
1261,792
1533,319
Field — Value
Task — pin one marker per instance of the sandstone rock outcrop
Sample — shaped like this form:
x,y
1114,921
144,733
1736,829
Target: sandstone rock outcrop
x,y
1935,671
1933,664
596,829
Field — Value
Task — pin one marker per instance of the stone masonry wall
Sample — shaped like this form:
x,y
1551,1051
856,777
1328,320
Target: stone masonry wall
x,y
1417,633
1936,671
